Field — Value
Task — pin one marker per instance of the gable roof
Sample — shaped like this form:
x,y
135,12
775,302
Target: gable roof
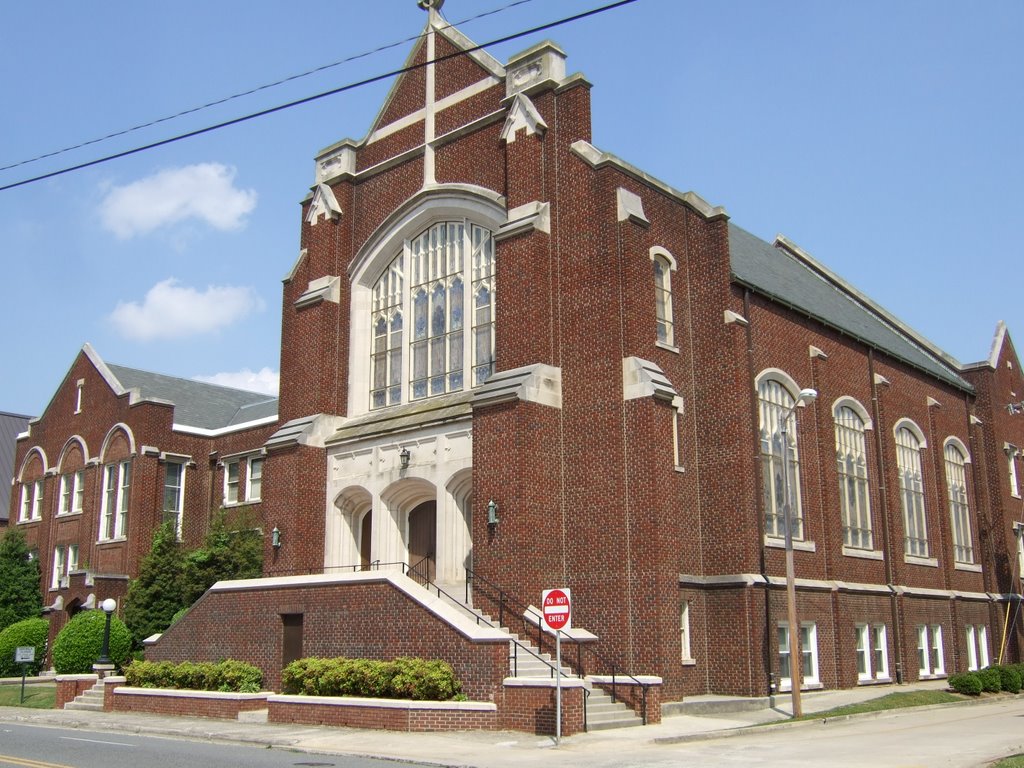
x,y
11,425
196,403
784,273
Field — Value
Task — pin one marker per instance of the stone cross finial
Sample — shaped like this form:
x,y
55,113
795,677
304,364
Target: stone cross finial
x,y
428,5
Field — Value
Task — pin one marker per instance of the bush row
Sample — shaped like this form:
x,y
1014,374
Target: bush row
x,y
1004,677
228,675
403,678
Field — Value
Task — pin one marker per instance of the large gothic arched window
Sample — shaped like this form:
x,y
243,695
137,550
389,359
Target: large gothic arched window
x,y
432,315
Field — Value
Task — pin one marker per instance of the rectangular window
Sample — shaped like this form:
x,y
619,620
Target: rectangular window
x,y
116,487
37,500
684,631
26,503
1011,458
59,564
977,647
930,656
231,482
78,502
66,491
872,652
808,652
677,415
174,493
254,479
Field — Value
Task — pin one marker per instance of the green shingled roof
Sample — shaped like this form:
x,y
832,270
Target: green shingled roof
x,y
197,404
783,277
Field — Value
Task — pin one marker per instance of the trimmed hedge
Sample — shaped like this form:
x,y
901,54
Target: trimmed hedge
x,y
21,633
402,678
78,645
1009,678
990,680
229,675
969,684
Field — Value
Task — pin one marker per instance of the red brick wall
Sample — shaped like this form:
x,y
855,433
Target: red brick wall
x,y
368,715
185,706
533,710
71,686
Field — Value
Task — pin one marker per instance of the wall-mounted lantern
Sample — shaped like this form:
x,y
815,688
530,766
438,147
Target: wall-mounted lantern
x,y
275,538
403,457
492,513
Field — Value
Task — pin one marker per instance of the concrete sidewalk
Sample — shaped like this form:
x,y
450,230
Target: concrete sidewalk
x,y
472,748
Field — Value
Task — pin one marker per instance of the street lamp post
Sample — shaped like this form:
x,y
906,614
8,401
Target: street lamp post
x,y
109,606
795,659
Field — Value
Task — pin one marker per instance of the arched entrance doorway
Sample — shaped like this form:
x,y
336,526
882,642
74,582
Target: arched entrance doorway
x,y
423,541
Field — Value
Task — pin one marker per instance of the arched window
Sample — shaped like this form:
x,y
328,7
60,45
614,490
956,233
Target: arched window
x,y
852,467
959,511
423,342
663,298
774,402
908,463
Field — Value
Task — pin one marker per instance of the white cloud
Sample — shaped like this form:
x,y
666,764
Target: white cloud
x,y
205,191
264,380
172,311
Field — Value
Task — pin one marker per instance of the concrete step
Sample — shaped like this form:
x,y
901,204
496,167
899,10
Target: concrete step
x,y
85,705
607,723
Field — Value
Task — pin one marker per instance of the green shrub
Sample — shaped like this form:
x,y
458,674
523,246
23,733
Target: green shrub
x,y
229,675
990,681
969,684
78,645
403,678
26,632
1009,678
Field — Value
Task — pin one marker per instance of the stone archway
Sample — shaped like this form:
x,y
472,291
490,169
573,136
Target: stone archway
x,y
422,538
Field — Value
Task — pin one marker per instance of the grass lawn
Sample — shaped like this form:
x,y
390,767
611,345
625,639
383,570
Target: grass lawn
x,y
890,701
1017,761
36,696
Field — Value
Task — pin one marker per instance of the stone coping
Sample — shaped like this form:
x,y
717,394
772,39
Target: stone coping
x,y
545,682
76,678
184,693
625,679
360,701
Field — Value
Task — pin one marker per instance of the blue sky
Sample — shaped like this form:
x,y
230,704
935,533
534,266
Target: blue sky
x,y
883,138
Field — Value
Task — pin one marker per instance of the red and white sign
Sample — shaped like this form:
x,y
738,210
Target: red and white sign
x,y
556,604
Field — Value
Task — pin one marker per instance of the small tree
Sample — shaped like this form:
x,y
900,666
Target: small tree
x,y
226,554
31,632
20,597
157,594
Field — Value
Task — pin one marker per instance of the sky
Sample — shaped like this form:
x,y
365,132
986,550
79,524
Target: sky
x,y
884,138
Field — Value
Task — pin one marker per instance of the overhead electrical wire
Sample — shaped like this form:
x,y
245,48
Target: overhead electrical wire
x,y
257,89
315,97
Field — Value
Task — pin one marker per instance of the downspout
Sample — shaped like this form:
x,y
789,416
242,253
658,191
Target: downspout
x,y
759,516
884,496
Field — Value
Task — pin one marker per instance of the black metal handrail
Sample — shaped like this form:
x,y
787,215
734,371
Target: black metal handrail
x,y
504,598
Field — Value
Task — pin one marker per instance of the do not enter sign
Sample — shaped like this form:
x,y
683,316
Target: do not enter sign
x,y
556,605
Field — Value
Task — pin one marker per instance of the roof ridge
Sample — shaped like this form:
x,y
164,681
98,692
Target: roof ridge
x,y
193,381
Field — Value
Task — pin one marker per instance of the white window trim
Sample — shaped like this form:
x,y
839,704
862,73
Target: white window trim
x,y
772,512
119,499
677,438
867,648
249,495
910,481
237,464
929,639
686,651
808,682
851,444
1011,457
657,253
179,513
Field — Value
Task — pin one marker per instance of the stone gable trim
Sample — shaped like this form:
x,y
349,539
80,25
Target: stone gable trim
x,y
324,204
538,383
526,218
442,609
522,115
326,288
598,159
308,430
642,378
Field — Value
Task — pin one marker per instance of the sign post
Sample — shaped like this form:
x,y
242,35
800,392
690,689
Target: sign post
x,y
24,655
556,606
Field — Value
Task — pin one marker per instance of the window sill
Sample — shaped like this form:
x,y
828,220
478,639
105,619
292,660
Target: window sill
x,y
680,469
62,515
29,522
972,567
864,554
936,676
928,562
689,662
800,546
233,504
875,681
667,347
117,540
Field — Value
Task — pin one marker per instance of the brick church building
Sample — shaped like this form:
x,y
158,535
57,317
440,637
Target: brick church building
x,y
512,361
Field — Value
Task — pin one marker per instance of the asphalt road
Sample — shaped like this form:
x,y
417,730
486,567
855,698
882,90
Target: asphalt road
x,y
44,747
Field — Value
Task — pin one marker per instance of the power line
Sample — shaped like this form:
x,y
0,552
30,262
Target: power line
x,y
257,89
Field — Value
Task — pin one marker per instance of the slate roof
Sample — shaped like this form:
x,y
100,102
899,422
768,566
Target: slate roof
x,y
810,288
11,425
196,403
